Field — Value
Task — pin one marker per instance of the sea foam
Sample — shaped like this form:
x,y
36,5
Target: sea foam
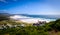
x,y
30,19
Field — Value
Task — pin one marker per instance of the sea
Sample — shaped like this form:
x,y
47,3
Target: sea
x,y
43,17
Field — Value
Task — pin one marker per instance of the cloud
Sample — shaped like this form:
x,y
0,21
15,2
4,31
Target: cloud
x,y
3,1
3,11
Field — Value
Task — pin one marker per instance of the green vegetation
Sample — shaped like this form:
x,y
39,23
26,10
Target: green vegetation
x,y
53,26
31,30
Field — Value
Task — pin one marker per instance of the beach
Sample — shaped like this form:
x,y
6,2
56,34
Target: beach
x,y
34,20
29,19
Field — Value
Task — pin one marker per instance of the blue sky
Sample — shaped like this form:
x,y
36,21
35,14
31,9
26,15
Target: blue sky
x,y
37,7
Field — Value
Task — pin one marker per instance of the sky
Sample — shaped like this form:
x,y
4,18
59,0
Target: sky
x,y
35,7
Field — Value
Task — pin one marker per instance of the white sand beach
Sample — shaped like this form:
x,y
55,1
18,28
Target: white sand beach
x,y
29,19
33,20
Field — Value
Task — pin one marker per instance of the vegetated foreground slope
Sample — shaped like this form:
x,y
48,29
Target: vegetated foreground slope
x,y
51,28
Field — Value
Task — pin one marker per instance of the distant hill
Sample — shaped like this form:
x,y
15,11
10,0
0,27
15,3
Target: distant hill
x,y
4,16
41,16
34,16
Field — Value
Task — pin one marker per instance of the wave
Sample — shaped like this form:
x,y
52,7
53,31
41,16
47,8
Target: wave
x,y
30,19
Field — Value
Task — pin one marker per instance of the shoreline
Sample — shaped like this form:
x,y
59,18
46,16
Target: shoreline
x,y
35,20
29,19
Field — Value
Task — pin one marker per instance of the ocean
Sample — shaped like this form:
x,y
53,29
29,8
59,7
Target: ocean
x,y
43,17
34,18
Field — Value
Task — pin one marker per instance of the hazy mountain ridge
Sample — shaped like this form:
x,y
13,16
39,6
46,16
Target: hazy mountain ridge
x,y
34,16
41,16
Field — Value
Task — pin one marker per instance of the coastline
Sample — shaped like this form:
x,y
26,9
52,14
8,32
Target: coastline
x,y
35,20
29,19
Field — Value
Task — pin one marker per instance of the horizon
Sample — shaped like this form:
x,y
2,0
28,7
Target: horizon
x,y
34,16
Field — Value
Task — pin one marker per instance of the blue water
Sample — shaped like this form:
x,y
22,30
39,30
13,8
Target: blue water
x,y
43,16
